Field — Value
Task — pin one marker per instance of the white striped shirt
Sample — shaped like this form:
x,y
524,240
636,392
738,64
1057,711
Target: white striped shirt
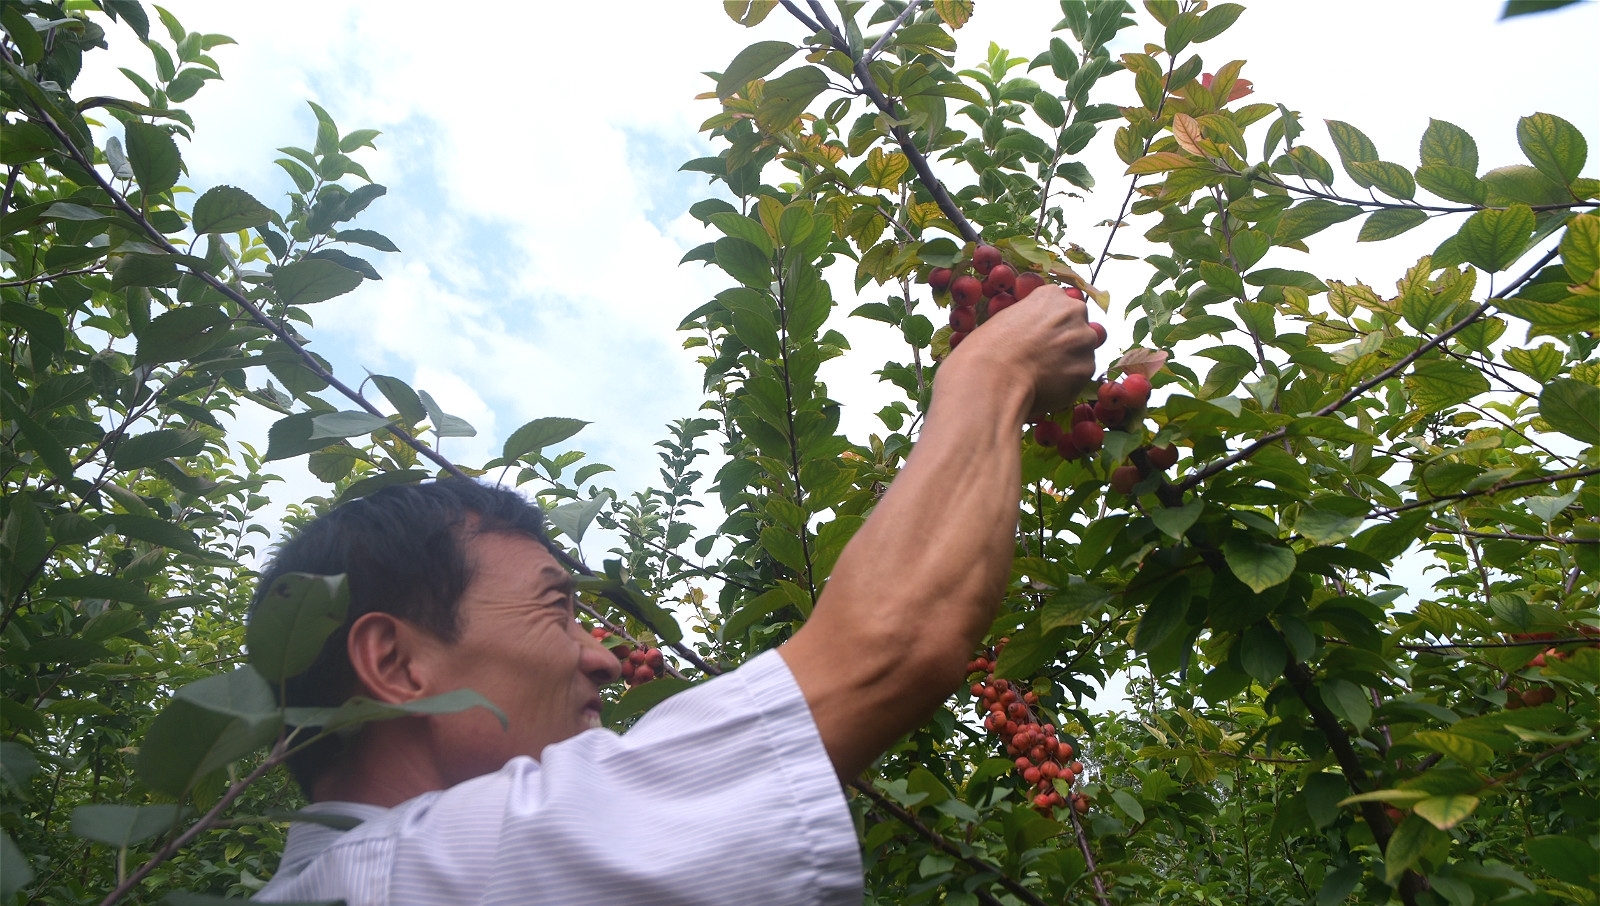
x,y
723,794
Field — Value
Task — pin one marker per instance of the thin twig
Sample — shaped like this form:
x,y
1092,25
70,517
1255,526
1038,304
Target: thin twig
x,y
1272,437
878,45
1492,489
45,278
939,842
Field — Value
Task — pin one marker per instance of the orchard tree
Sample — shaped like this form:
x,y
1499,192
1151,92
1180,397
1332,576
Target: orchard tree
x,y
1220,517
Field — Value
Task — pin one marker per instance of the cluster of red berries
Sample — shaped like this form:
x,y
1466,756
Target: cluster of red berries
x,y
1118,406
974,300
639,665
1042,758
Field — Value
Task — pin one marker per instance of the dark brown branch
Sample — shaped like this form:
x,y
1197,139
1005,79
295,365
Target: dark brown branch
x,y
1088,857
1133,183
939,842
1492,489
869,87
1515,536
1273,436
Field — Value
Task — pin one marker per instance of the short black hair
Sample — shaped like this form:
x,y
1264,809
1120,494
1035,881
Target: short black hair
x,y
402,552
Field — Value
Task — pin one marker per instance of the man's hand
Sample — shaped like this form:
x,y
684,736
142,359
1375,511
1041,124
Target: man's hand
x,y
916,589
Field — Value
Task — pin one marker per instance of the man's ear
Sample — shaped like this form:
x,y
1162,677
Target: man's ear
x,y
385,652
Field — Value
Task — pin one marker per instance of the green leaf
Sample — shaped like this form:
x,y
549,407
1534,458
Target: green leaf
x,y
153,530
225,209
1263,654
1163,616
360,138
1325,525
1389,223
1174,521
1495,239
744,262
741,227
153,446
1565,858
207,725
1348,701
291,436
572,519
1453,183
1553,145
121,826
1541,364
1129,805
1573,408
374,483
1258,564
22,142
144,270
444,424
402,397
645,696
538,434
23,34
1406,847
313,280
154,157
1323,792
1466,751
291,621
786,97
1436,384
1580,250
1311,217
1448,145
369,239
754,62
360,710
1216,20
44,444
1353,146
1445,812
1391,179
1525,184
346,424
1077,603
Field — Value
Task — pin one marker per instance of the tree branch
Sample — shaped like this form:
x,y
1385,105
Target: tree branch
x,y
878,45
1353,393
884,803
1492,489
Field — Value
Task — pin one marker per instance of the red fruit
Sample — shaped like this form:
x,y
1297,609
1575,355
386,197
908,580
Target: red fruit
x,y
1163,457
1075,293
1112,416
1513,701
654,659
1027,282
1068,449
1532,698
1023,764
1042,801
1083,412
1088,436
939,278
1123,478
1036,753
599,633
963,319
1017,710
966,290
1048,433
1537,661
1050,769
1077,767
1136,389
1064,750
1056,801
1047,729
977,689
1395,815
1001,279
1113,393
1031,775
1031,697
1099,331
984,258
622,652
1000,301
636,657
956,337
1080,804
643,675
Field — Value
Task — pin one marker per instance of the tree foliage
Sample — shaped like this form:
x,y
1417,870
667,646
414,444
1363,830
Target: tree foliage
x,y
1302,731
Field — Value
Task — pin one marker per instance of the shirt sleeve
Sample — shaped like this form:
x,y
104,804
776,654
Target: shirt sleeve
x,y
723,794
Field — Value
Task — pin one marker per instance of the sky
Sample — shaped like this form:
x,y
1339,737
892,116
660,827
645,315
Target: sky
x,y
531,153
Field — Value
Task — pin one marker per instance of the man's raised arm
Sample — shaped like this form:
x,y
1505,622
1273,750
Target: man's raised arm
x,y
919,585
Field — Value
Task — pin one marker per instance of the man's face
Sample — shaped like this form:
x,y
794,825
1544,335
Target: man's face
x,y
521,648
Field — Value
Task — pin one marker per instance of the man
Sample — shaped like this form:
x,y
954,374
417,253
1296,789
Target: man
x,y
727,793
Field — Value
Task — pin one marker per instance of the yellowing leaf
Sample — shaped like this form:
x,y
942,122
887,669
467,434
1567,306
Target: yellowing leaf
x,y
885,171
955,13
1187,131
1445,812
